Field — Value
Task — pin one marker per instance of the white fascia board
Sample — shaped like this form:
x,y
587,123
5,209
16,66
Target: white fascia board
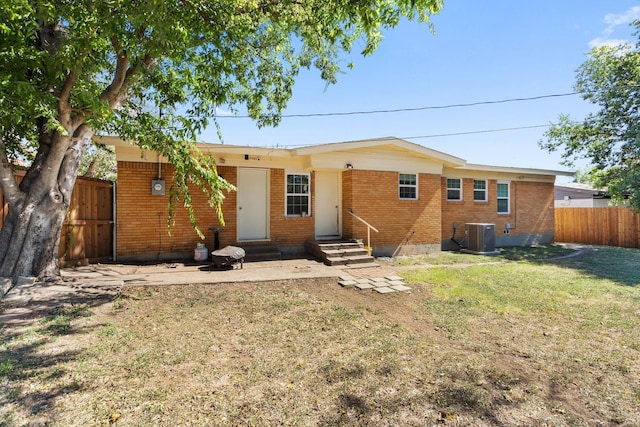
x,y
113,141
241,149
116,141
514,170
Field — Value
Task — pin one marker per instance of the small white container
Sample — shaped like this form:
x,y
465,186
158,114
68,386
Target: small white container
x,y
200,253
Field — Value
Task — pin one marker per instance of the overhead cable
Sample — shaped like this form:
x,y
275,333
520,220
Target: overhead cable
x,y
404,110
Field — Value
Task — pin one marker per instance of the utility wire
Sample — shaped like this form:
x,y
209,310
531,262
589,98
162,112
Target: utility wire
x,y
476,132
442,135
404,110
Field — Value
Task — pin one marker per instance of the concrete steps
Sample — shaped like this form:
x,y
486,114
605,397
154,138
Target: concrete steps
x,y
260,252
343,253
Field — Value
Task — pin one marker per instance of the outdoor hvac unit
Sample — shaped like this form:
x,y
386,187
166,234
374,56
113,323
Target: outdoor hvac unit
x,y
481,238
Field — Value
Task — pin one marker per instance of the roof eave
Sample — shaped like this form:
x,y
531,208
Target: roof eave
x,y
510,169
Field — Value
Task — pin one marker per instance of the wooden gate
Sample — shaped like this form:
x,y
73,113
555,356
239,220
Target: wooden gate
x,y
87,233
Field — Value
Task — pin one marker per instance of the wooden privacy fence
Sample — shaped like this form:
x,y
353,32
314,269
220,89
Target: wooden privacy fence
x,y
87,233
615,226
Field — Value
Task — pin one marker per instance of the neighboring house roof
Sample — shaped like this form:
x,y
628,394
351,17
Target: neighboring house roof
x,y
578,190
388,154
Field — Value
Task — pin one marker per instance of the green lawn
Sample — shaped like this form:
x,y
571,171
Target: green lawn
x,y
515,339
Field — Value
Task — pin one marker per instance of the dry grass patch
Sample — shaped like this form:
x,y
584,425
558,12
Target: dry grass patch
x,y
508,344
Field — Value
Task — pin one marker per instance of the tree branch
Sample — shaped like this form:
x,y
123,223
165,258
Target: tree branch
x,y
110,94
8,182
64,104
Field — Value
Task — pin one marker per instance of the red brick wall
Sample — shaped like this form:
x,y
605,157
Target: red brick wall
x,y
288,231
373,195
142,217
531,208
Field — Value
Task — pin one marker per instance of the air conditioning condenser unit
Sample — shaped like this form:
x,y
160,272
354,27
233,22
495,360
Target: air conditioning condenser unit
x,y
481,238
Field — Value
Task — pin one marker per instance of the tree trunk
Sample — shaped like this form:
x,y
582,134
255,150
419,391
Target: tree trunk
x,y
30,237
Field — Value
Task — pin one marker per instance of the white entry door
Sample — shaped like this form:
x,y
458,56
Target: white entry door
x,y
253,204
327,186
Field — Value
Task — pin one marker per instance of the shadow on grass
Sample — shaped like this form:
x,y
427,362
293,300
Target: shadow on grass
x,y
33,376
620,265
452,395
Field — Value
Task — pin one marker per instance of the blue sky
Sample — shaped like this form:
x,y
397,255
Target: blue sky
x,y
482,51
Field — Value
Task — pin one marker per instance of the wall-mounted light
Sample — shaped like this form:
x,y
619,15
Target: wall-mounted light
x,y
222,160
348,166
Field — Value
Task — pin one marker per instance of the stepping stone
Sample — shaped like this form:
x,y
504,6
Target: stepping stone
x,y
384,290
363,286
363,281
380,284
378,279
394,278
396,282
347,278
400,288
347,283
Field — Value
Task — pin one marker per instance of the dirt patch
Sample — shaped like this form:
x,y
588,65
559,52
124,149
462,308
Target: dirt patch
x,y
309,352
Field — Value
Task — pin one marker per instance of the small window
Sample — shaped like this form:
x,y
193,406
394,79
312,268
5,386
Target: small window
x,y
454,189
479,190
408,186
297,194
503,197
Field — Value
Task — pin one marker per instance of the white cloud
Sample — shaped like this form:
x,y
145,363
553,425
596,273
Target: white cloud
x,y
221,112
613,21
601,41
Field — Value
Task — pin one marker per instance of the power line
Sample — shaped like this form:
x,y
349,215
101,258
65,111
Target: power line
x,y
404,110
474,132
441,135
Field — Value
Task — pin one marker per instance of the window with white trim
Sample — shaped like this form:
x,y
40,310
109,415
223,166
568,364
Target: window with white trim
x,y
454,189
297,194
479,190
503,198
408,186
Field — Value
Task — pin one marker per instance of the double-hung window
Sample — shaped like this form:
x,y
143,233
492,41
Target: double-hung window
x,y
479,190
408,186
297,194
503,197
454,189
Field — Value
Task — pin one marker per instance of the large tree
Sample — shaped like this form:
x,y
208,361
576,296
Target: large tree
x,y
610,137
70,69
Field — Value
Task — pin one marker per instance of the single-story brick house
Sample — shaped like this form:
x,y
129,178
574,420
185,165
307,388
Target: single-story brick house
x,y
412,194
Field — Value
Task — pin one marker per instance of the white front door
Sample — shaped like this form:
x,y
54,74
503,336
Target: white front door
x,y
327,185
253,204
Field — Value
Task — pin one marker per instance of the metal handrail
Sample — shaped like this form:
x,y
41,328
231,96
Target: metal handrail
x,y
369,228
